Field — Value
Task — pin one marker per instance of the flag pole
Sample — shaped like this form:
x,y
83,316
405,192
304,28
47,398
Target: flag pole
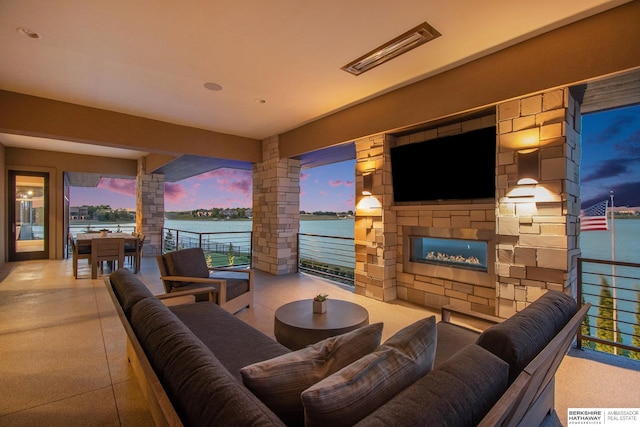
x,y
613,275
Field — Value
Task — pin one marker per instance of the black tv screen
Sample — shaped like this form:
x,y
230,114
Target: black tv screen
x,y
453,167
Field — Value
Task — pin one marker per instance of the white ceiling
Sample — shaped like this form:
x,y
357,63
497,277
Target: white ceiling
x,y
150,58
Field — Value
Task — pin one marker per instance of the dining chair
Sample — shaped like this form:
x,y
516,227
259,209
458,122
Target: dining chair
x,y
80,250
133,252
106,249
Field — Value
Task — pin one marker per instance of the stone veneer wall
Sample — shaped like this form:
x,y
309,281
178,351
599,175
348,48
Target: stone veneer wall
x,y
435,286
276,211
149,209
374,234
537,237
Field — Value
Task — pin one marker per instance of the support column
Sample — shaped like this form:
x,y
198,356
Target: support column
x,y
536,225
149,208
375,223
276,211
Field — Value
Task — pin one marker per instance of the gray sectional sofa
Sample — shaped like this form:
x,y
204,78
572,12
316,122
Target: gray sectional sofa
x,y
195,364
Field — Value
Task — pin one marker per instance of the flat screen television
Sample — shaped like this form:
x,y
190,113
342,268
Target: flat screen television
x,y
449,168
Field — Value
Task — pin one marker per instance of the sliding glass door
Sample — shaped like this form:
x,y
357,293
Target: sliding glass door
x,y
28,215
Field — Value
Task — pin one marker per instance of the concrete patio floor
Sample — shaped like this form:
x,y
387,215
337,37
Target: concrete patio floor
x,y
62,347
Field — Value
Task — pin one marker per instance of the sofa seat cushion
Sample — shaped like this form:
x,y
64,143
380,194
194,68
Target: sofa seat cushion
x,y
235,288
458,393
237,283
234,343
278,382
520,338
128,289
201,389
355,391
451,339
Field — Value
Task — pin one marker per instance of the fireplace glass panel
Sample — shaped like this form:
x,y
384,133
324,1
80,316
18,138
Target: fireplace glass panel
x,y
469,254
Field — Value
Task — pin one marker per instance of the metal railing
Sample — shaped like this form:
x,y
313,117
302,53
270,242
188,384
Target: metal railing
x,y
330,257
228,248
612,324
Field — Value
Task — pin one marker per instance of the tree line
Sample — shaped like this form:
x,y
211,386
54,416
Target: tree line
x,y
101,213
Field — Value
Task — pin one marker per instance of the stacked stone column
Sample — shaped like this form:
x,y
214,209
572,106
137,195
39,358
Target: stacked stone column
x,y
276,211
149,208
375,228
536,234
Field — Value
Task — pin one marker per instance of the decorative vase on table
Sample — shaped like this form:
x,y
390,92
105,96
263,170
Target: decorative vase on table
x,y
320,303
319,306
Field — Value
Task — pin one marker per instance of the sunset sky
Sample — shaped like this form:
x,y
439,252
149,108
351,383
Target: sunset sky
x,y
611,157
324,188
610,162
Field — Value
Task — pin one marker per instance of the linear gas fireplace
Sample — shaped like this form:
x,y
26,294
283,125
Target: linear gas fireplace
x,y
456,253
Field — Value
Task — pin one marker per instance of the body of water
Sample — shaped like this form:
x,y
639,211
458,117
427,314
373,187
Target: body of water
x,y
593,244
332,227
624,247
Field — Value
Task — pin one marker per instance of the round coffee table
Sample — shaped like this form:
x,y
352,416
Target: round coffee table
x,y
296,325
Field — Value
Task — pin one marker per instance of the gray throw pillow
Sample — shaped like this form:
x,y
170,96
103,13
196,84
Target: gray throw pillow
x,y
355,391
278,382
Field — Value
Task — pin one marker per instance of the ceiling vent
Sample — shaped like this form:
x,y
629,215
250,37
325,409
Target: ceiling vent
x,y
404,43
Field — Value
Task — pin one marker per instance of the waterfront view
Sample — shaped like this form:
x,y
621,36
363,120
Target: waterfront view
x,y
316,253
596,244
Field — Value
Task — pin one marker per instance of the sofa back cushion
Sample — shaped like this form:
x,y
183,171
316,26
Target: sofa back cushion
x,y
201,389
128,289
278,382
520,338
460,392
352,393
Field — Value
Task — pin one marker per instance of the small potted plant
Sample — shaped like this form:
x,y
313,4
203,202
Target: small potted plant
x,y
320,303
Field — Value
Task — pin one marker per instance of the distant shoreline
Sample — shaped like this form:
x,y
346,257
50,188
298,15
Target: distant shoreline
x,y
302,218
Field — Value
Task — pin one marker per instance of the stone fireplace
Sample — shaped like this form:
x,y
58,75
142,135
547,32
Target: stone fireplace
x,y
530,241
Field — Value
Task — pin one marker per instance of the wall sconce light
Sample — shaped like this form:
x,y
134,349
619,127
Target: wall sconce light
x,y
367,183
369,202
528,166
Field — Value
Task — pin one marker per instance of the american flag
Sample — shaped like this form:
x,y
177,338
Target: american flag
x,y
594,218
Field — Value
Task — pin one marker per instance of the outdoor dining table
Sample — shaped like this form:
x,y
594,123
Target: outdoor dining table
x,y
84,239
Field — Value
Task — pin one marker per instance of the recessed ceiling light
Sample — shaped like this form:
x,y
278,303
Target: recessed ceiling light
x,y
401,44
213,86
28,33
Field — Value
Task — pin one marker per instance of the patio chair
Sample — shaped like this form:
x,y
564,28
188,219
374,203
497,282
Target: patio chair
x,y
187,269
80,250
106,249
133,252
